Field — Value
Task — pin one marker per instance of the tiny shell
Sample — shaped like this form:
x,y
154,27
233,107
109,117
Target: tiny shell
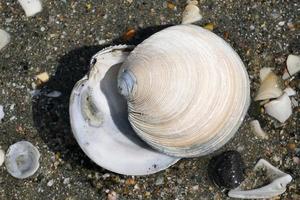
x,y
191,14
4,38
226,169
258,131
270,87
22,159
276,187
293,66
280,108
31,7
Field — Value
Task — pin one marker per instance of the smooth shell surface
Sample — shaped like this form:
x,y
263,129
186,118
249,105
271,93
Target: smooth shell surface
x,y
100,124
187,91
22,159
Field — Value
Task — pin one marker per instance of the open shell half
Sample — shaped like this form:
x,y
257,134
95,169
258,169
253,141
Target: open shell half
x,y
99,120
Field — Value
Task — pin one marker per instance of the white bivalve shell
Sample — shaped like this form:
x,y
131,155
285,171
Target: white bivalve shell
x,y
187,91
99,121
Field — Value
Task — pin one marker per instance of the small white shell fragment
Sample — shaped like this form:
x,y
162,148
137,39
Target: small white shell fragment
x,y
257,130
4,38
290,91
276,187
22,159
2,156
191,13
53,94
31,7
1,113
264,72
293,64
269,87
280,108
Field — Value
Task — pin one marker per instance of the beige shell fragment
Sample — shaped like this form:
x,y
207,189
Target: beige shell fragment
x,y
185,98
191,14
270,86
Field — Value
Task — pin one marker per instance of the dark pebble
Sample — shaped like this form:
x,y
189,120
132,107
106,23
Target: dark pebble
x,y
226,170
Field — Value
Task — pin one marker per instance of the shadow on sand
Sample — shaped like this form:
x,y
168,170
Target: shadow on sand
x,y
51,115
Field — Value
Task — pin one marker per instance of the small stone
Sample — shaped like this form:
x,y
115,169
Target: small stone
x,y
209,26
159,181
195,187
66,181
50,183
292,146
252,27
296,160
112,196
130,181
42,77
281,23
226,170
43,29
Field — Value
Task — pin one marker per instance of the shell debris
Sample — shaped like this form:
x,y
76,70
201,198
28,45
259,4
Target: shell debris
x,y
2,157
1,113
270,85
280,108
293,66
191,13
257,130
277,186
31,7
4,38
22,159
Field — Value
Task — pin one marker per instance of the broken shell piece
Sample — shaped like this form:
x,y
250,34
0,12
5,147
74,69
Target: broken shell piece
x,y
280,108
257,130
279,180
270,87
264,72
31,7
1,113
22,159
290,91
191,14
99,121
2,155
53,94
4,38
293,66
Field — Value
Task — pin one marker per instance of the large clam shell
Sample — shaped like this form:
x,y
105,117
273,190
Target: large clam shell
x,y
187,91
99,121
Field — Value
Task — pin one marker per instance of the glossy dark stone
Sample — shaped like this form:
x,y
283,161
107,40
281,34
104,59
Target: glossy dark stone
x,y
226,170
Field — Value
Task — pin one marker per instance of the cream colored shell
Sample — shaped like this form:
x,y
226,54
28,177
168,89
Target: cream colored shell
x,y
187,91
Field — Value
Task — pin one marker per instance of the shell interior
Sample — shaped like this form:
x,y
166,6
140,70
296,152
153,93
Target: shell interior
x,y
100,123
